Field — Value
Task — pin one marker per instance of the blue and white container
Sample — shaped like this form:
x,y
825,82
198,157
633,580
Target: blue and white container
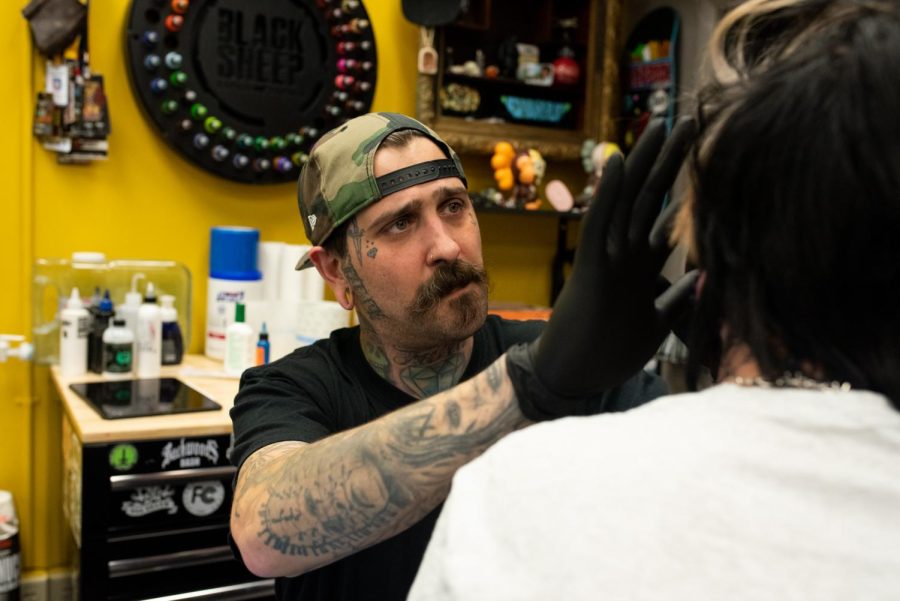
x,y
234,277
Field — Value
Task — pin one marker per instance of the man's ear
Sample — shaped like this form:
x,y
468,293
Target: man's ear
x,y
328,265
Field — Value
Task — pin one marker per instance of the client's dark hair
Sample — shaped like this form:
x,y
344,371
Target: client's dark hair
x,y
796,200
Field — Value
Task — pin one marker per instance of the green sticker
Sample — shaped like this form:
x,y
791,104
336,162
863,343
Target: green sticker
x,y
123,457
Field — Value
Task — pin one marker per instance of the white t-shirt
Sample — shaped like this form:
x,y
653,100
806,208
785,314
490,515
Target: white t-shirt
x,y
733,493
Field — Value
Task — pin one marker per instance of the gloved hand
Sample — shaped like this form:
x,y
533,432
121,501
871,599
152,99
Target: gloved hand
x,y
608,320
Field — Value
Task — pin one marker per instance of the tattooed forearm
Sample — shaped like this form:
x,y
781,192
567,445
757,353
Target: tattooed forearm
x,y
494,377
336,512
323,501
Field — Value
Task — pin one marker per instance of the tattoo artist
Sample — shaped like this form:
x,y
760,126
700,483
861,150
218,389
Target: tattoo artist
x,y
346,448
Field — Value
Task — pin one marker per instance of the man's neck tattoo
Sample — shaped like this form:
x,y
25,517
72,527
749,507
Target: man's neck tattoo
x,y
419,373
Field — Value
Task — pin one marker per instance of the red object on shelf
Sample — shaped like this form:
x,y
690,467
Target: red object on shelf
x,y
566,70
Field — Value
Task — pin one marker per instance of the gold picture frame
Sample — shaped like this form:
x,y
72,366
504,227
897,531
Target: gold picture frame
x,y
601,102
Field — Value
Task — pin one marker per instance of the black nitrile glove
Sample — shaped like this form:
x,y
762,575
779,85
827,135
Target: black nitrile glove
x,y
608,320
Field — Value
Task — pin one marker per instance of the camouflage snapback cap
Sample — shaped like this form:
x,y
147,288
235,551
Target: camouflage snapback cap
x,y
339,179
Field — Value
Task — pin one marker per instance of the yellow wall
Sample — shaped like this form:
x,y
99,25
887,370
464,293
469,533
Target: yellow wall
x,y
147,202
16,402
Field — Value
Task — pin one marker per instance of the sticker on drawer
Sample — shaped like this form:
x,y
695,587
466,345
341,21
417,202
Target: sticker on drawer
x,y
189,453
203,498
150,499
123,457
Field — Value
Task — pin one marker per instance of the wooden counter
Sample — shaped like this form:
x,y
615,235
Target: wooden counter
x,y
91,428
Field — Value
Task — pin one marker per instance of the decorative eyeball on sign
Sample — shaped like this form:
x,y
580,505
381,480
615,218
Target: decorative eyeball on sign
x,y
244,89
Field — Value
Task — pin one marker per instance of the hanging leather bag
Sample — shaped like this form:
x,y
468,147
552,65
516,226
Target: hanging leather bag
x,y
55,23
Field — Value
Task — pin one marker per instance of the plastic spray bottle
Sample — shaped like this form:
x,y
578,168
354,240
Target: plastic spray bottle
x,y
73,332
172,340
129,309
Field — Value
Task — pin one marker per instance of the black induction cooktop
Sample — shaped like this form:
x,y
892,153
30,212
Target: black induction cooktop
x,y
115,399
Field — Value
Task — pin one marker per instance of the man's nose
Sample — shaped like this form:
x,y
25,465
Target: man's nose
x,y
443,246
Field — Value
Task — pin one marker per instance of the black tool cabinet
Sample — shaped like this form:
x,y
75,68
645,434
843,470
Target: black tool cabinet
x,y
154,519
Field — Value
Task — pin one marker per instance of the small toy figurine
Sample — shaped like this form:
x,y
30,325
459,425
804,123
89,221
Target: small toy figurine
x,y
593,158
518,173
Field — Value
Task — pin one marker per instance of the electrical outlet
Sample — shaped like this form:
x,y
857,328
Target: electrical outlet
x,y
33,588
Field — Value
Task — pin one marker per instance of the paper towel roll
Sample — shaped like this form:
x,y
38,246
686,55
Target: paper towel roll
x,y
269,262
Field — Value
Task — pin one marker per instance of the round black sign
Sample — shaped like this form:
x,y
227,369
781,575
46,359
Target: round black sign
x,y
244,89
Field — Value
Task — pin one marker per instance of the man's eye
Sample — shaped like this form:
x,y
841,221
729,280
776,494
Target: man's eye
x,y
455,206
399,225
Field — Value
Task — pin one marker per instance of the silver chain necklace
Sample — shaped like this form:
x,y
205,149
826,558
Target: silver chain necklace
x,y
791,380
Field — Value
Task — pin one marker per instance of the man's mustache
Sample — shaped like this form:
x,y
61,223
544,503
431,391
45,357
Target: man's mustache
x,y
446,278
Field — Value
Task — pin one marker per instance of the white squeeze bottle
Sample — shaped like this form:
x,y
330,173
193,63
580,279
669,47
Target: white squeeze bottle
x,y
75,322
148,339
128,309
239,344
172,340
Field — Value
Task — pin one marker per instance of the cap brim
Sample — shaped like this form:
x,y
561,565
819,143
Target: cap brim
x,y
304,261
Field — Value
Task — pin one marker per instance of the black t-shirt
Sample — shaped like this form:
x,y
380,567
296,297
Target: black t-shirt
x,y
329,387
